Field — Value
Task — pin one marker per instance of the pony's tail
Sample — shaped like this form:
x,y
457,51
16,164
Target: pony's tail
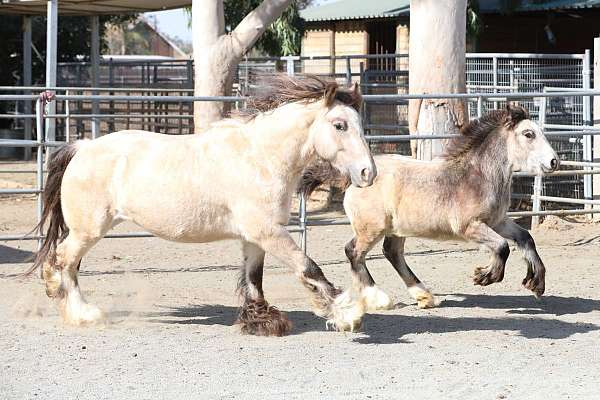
x,y
56,229
319,173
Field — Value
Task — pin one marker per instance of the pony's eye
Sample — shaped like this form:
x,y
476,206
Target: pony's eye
x,y
529,134
340,125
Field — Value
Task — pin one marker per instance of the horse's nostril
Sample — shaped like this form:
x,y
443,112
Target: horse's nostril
x,y
554,163
364,173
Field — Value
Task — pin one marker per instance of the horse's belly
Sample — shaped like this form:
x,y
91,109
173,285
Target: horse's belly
x,y
197,225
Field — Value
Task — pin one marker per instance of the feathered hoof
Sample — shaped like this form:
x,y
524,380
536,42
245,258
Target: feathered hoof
x,y
484,276
79,313
376,299
260,319
424,298
52,279
346,313
536,285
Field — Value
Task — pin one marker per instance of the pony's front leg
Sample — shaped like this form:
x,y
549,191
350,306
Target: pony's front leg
x,y
256,316
536,271
341,312
481,233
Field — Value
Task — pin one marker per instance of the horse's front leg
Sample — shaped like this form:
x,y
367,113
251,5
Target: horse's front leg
x,y
536,271
341,313
481,233
257,316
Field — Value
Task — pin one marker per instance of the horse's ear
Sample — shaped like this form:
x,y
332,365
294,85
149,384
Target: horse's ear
x,y
356,89
515,114
329,93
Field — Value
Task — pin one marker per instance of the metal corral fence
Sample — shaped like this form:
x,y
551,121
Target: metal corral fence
x,y
583,132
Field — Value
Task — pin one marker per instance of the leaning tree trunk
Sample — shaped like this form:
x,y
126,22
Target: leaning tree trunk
x,y
217,53
436,65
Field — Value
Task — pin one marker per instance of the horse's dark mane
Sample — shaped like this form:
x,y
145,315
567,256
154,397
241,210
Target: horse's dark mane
x,y
475,132
272,91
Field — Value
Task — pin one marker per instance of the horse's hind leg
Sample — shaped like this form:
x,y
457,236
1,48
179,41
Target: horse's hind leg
x,y
62,280
536,271
393,250
256,316
483,234
356,251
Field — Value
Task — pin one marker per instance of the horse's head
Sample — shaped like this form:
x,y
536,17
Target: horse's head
x,y
338,137
528,148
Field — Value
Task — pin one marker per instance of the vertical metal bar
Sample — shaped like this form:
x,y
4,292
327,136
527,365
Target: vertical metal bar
x,y
495,78
479,106
95,71
51,46
587,139
348,72
39,115
537,181
28,123
596,121
67,119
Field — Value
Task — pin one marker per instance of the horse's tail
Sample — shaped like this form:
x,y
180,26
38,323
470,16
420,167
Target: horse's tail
x,y
319,173
56,229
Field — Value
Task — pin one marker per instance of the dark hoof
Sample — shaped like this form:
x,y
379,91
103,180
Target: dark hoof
x,y
260,319
484,276
536,285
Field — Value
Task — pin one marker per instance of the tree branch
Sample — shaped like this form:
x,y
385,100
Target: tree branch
x,y
255,23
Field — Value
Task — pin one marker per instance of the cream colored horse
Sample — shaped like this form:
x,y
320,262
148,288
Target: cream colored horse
x,y
464,195
234,181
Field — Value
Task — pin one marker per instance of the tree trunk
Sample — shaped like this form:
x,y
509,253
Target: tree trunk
x,y
436,65
217,54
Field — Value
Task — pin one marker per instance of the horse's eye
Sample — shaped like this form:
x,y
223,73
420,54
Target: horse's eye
x,y
340,125
529,134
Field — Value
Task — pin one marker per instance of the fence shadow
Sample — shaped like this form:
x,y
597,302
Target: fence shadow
x,y
525,305
10,255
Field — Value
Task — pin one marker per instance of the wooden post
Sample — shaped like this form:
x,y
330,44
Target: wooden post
x,y
596,122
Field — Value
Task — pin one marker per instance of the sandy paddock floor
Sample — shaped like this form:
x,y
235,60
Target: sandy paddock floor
x,y
171,308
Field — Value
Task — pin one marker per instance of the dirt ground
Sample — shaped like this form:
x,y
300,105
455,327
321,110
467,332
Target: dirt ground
x,y
171,308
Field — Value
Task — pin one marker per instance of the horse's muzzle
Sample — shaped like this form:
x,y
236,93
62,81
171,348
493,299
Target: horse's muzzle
x,y
363,174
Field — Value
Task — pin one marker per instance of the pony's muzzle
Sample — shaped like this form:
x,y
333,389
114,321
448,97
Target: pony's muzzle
x,y
363,175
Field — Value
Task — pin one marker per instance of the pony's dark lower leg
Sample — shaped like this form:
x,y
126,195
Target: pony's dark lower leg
x,y
363,283
481,233
393,250
256,316
340,313
536,271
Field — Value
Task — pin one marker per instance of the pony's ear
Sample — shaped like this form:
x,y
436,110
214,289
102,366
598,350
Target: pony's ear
x,y
515,114
329,93
356,89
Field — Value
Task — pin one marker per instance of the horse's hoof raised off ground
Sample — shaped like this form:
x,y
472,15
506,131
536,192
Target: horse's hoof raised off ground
x,y
484,276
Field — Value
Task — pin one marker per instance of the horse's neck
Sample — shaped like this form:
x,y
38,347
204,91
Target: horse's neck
x,y
493,166
281,139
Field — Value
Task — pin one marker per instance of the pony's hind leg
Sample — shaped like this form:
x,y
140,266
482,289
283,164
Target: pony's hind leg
x,y
356,251
481,233
256,316
62,281
393,250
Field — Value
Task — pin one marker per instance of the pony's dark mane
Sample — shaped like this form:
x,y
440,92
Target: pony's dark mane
x,y
477,131
272,91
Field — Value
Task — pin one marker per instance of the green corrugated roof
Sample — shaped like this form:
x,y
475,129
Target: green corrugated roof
x,y
493,6
356,9
361,9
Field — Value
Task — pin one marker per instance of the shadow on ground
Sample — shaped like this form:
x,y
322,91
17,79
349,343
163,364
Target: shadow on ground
x,y
389,328
10,255
524,305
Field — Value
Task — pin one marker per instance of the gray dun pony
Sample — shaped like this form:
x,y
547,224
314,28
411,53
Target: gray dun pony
x,y
233,181
463,195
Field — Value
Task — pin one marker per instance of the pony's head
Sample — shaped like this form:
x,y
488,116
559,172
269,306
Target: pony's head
x,y
513,133
335,134
527,146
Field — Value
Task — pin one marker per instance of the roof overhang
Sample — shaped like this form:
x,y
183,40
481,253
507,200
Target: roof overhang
x,y
89,7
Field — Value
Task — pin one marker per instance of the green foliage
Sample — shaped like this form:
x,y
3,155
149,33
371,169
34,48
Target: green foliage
x,y
474,24
282,38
